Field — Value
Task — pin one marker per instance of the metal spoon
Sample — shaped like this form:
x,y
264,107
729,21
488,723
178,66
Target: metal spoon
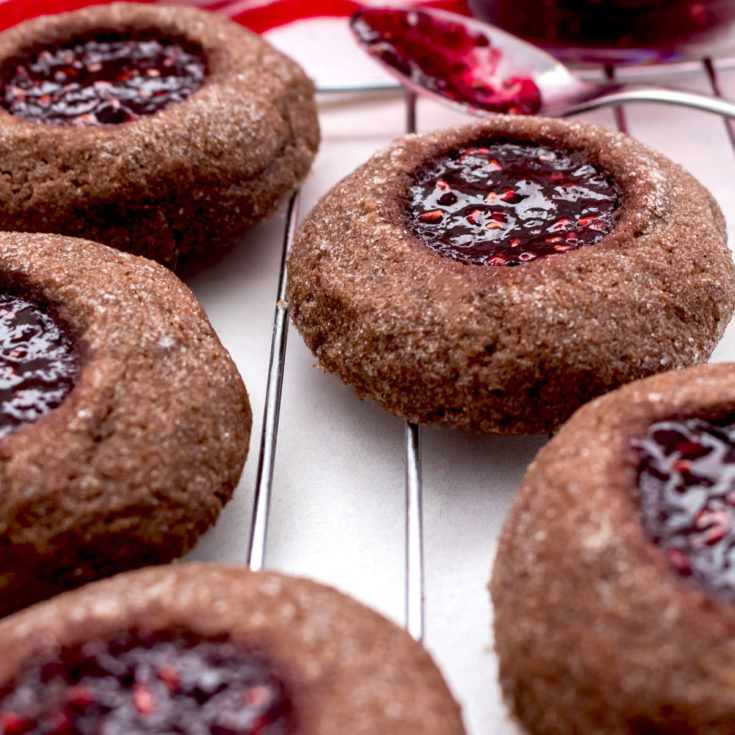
x,y
561,92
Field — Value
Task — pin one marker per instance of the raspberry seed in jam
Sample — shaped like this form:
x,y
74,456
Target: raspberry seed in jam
x,y
102,82
147,685
37,363
508,203
686,481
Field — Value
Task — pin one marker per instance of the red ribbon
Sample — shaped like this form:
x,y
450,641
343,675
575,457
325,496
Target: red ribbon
x,y
258,15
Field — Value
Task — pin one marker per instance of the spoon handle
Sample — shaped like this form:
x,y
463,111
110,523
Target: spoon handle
x,y
615,94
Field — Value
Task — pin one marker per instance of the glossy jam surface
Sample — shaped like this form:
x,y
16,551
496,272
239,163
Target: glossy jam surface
x,y
177,684
508,203
446,58
102,82
686,480
38,363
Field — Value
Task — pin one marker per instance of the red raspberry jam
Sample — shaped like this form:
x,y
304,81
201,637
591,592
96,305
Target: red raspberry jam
x,y
686,481
38,363
141,684
444,57
102,81
509,203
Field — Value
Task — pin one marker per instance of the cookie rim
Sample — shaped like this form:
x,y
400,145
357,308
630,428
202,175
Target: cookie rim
x,y
664,641
123,455
253,120
368,209
341,661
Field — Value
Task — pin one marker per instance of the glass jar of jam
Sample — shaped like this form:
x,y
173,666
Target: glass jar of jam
x,y
617,31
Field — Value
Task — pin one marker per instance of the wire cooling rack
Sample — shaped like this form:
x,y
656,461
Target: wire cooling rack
x,y
405,519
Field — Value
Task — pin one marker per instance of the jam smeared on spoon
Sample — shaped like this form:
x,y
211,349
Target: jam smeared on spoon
x,y
686,480
508,203
102,81
152,685
38,363
444,57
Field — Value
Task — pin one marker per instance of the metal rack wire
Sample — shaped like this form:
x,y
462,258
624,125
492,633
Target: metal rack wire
x,y
414,595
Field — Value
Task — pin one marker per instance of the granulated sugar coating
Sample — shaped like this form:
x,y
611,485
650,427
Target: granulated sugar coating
x,y
341,667
499,349
595,630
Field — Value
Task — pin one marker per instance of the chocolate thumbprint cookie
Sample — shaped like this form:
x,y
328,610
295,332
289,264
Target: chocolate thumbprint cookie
x,y
495,277
124,423
156,130
198,649
614,582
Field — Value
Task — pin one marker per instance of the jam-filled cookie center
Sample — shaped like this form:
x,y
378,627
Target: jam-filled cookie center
x,y
38,363
102,81
686,480
156,685
509,203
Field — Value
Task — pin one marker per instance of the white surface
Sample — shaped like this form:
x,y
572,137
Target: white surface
x,y
338,505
